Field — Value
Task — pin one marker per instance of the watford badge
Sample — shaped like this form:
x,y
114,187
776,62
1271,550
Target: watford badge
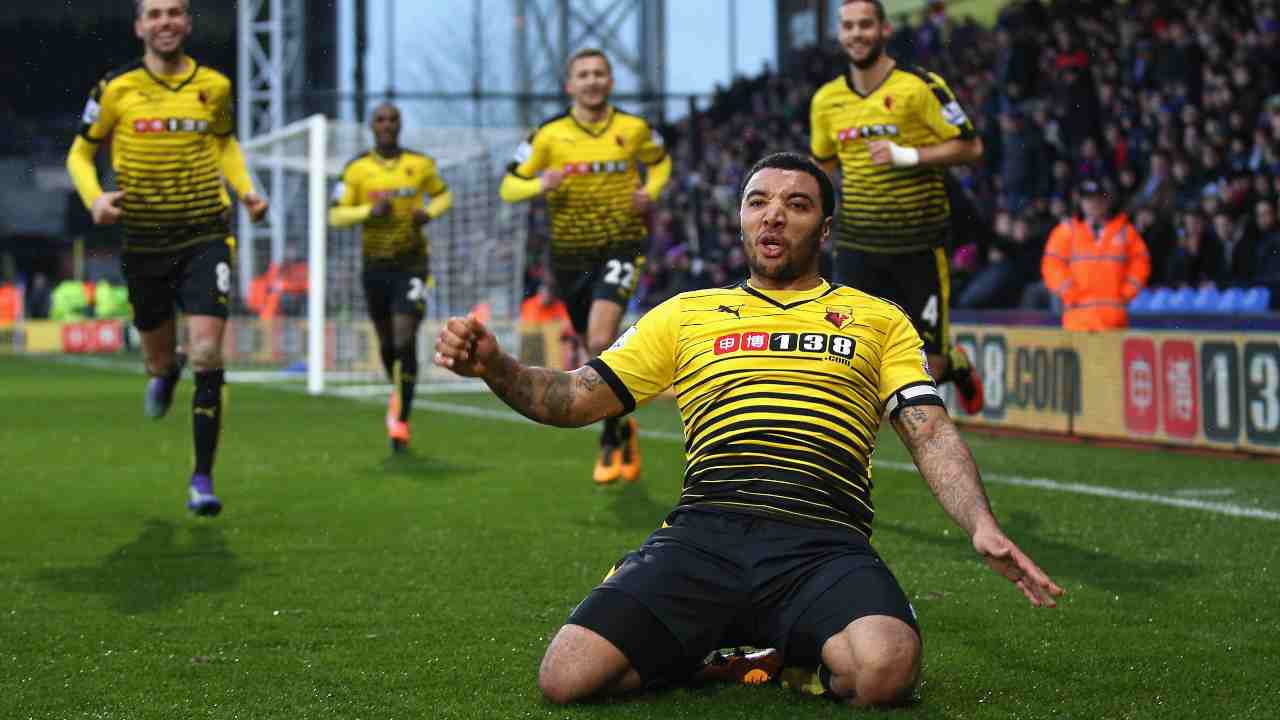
x,y
840,317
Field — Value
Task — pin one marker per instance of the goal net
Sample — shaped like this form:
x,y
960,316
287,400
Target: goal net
x,y
300,313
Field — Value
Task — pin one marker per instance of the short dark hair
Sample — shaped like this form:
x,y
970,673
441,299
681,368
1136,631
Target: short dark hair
x,y
879,6
587,52
140,5
796,161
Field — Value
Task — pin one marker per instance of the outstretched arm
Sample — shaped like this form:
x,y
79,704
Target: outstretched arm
x,y
948,467
551,397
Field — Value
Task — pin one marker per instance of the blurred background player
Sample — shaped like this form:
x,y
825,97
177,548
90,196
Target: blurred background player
x,y
892,131
586,163
172,130
384,190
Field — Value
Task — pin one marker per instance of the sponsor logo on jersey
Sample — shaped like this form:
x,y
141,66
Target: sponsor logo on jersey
x,y
391,194
735,311
867,131
835,347
170,125
592,168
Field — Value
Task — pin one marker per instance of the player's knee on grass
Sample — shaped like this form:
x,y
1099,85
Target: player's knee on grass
x,y
874,661
580,663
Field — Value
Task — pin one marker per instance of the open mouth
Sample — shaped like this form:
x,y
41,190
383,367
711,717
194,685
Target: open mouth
x,y
770,246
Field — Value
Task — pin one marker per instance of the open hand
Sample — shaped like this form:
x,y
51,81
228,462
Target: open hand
x,y
1005,558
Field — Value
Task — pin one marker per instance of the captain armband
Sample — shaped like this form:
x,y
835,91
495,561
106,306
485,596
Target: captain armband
x,y
919,394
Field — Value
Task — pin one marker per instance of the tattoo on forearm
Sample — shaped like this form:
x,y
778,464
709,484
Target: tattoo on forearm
x,y
546,396
946,464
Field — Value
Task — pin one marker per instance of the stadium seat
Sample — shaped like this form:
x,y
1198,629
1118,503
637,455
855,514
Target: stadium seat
x,y
1160,300
1181,300
1229,301
1256,300
1141,303
1205,301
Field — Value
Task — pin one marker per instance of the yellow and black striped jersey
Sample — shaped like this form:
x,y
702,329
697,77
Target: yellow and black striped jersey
x,y
884,208
780,393
164,147
591,211
404,180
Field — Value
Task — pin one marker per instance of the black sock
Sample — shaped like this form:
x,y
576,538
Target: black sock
x,y
387,352
408,378
206,418
611,436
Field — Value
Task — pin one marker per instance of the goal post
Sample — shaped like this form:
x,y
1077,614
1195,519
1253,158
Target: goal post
x,y
317,330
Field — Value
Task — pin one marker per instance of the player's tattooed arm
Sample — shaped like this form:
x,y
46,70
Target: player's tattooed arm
x,y
944,460
553,397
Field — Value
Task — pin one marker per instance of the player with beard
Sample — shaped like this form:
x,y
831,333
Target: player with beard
x,y
781,383
586,163
384,191
892,131
173,144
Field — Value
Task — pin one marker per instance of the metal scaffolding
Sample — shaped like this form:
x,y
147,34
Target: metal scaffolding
x,y
548,31
270,83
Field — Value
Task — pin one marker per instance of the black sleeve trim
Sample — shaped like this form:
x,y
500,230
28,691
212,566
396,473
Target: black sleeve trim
x,y
511,169
615,383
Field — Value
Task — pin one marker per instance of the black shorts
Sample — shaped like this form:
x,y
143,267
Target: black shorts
x,y
919,282
713,579
395,292
614,280
196,279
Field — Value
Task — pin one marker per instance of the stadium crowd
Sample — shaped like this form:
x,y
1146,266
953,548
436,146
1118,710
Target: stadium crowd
x,y
1173,108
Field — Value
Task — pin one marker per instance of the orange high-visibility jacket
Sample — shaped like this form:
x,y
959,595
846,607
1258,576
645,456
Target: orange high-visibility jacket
x,y
1095,277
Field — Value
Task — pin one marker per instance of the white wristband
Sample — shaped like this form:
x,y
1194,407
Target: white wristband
x,y
904,156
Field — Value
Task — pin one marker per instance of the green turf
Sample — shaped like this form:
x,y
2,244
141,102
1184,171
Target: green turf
x,y
340,583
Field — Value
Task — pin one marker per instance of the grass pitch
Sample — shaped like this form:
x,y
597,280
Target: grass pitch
x,y
342,583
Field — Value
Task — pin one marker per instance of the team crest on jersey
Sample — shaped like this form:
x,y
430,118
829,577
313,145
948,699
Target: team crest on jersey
x,y
204,97
839,316
888,102
618,139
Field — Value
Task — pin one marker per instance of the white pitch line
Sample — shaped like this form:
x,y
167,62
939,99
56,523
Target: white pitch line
x,y
1219,508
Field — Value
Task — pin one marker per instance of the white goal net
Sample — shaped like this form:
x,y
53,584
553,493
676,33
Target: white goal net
x,y
300,311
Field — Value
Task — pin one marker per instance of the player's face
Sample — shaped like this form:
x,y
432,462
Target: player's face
x,y
163,26
386,126
782,228
862,34
590,82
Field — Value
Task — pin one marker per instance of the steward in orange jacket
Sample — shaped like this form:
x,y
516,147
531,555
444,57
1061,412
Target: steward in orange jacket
x,y
1095,272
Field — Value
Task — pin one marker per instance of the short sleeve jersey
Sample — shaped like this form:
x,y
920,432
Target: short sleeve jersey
x,y
591,213
780,393
165,152
883,208
391,242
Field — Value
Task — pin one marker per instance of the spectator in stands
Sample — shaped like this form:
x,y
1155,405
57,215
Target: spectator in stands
x,y
1023,162
1158,189
1235,248
1160,237
38,297
1267,252
1012,260
1095,264
1195,261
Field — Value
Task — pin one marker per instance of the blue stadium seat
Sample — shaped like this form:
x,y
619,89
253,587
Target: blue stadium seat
x,y
1206,300
1160,301
1256,300
1229,301
1181,300
1141,303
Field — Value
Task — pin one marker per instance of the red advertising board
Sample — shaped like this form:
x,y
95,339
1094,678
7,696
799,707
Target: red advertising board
x,y
1180,388
1141,391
